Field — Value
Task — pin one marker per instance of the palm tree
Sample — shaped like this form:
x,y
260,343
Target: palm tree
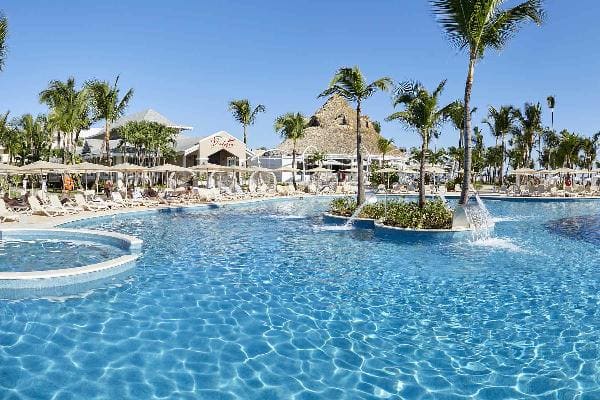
x,y
69,112
501,122
36,138
568,148
244,113
423,114
3,35
318,158
351,85
551,104
476,25
531,129
384,146
107,106
291,126
457,117
8,140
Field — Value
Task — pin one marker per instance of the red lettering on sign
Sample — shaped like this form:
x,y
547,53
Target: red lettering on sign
x,y
218,141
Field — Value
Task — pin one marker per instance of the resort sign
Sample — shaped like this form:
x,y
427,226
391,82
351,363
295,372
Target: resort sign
x,y
222,142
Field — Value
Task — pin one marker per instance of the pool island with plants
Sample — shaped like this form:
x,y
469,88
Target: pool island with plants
x,y
434,215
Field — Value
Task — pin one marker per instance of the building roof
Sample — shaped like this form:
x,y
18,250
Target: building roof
x,y
94,147
332,130
183,143
149,115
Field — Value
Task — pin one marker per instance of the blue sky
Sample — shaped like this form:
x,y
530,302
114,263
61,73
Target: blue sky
x,y
188,59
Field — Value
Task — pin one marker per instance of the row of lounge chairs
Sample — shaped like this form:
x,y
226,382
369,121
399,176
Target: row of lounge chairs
x,y
50,205
542,190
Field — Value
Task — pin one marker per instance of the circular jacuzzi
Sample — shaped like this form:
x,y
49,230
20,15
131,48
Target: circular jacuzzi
x,y
58,262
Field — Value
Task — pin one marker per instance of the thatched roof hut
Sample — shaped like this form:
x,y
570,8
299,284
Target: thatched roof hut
x,y
332,130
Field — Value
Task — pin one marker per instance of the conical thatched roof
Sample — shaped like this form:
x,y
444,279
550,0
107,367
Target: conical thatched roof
x,y
332,130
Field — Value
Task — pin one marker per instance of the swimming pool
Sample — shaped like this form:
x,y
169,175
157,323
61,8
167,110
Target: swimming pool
x,y
258,301
43,254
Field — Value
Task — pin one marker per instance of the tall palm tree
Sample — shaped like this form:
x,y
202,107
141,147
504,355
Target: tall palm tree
x,y
352,85
551,100
476,25
69,112
291,126
423,114
531,128
384,146
457,117
3,35
107,106
244,113
501,122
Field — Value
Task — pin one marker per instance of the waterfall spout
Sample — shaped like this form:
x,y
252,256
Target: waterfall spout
x,y
369,200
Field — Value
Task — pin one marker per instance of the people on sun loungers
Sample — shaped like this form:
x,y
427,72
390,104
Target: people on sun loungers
x,y
108,188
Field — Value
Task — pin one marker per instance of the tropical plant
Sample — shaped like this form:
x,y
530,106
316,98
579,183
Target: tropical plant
x,y
568,148
107,106
317,158
530,120
476,25
377,126
551,100
478,152
291,126
433,215
589,150
69,113
150,140
244,113
501,123
551,142
423,114
384,146
457,117
352,85
9,138
36,138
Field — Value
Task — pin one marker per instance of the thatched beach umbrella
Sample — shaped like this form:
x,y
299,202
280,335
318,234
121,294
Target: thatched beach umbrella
x,y
43,166
9,169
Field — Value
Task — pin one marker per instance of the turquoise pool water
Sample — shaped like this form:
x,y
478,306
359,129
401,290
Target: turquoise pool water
x,y
259,301
36,254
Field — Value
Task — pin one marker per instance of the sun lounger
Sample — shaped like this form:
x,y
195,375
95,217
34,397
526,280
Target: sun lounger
x,y
57,204
6,215
90,206
38,209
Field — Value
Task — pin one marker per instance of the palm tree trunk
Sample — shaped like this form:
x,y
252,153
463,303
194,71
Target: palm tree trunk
x,y
422,173
107,142
501,175
464,195
246,145
360,197
294,166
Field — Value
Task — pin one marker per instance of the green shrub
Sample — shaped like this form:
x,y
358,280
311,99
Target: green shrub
x,y
434,215
343,206
346,206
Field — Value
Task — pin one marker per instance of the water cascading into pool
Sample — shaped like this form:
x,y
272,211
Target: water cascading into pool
x,y
480,220
368,200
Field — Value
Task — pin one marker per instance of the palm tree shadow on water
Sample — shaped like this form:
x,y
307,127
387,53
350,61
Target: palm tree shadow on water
x,y
585,228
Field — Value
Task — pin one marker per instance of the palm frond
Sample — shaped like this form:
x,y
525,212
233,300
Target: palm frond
x,y
504,24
